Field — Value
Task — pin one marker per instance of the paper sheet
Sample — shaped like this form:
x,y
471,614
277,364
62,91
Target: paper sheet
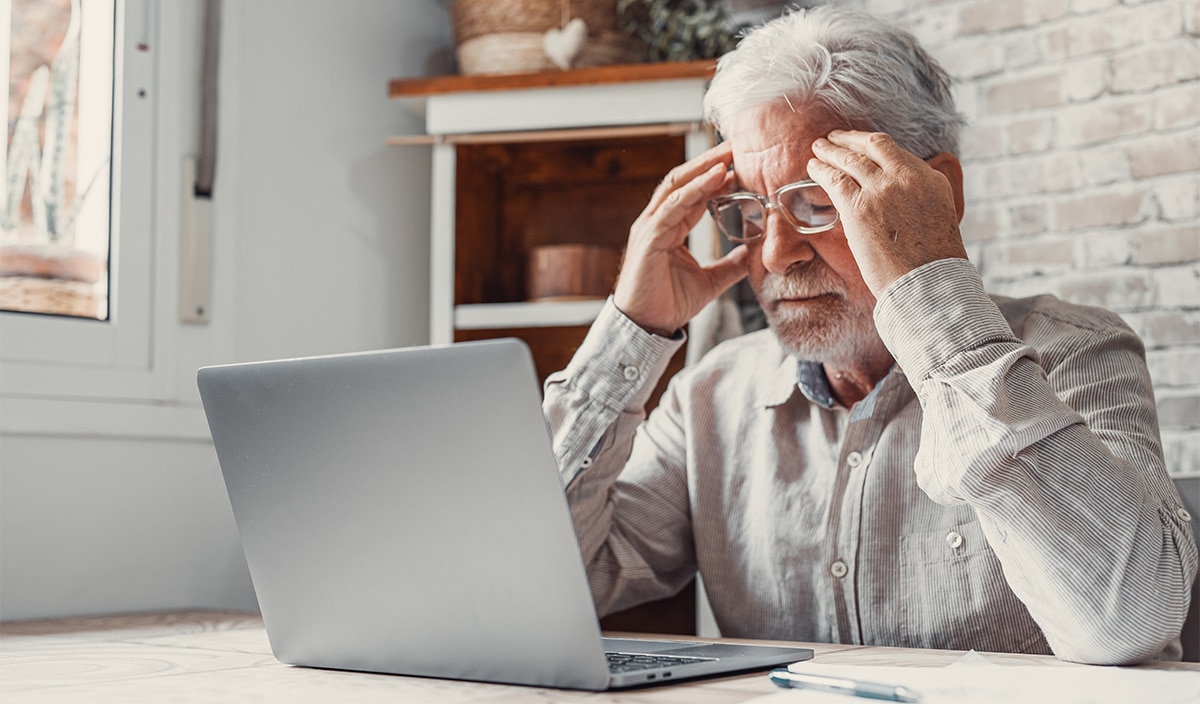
x,y
974,679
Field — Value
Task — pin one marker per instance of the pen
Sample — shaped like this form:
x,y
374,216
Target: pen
x,y
870,690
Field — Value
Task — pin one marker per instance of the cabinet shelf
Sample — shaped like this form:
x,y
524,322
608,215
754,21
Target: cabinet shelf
x,y
499,316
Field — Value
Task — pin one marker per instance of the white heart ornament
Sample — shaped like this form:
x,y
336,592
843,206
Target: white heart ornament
x,y
561,46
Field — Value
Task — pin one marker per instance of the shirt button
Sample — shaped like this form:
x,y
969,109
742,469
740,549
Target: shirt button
x,y
1183,515
854,458
631,373
838,569
954,540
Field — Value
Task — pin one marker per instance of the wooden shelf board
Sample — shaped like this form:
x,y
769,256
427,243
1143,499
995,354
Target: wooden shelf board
x,y
598,75
496,316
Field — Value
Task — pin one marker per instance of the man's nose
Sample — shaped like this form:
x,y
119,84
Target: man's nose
x,y
783,247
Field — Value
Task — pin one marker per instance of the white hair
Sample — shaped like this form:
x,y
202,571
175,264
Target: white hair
x,y
873,76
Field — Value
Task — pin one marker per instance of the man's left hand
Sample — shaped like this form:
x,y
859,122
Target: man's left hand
x,y
898,211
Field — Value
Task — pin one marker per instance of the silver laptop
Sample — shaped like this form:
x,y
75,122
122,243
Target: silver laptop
x,y
401,512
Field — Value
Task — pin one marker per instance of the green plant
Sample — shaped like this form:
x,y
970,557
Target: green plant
x,y
679,30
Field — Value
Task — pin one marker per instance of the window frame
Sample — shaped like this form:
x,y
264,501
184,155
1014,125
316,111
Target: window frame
x,y
55,356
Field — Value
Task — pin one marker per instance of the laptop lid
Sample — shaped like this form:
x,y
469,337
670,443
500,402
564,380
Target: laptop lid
x,y
401,512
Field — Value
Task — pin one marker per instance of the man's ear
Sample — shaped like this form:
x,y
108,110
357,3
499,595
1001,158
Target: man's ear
x,y
950,167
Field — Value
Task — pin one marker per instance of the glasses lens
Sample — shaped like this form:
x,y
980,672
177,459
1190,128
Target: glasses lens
x,y
740,219
808,207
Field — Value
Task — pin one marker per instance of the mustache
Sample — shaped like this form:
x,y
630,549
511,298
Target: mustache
x,y
803,282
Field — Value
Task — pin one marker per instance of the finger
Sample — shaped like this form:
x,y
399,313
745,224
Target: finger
x,y
685,205
843,190
879,146
729,269
849,159
688,171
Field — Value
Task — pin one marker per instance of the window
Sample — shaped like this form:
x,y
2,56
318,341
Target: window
x,y
103,205
54,198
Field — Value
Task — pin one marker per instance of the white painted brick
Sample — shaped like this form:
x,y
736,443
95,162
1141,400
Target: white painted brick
x,y
1028,218
1191,17
1171,328
983,140
1177,106
967,99
1020,51
979,223
1092,34
1104,165
1023,93
1178,286
971,59
988,16
1029,257
1181,450
1178,197
884,8
1032,134
1118,289
1101,121
933,26
1174,366
1165,154
1026,176
1101,208
983,182
1160,21
1176,245
1062,171
1026,287
1142,69
1039,11
1178,411
1103,250
1082,7
1085,80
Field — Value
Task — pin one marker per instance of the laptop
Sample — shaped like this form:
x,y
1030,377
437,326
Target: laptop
x,y
401,512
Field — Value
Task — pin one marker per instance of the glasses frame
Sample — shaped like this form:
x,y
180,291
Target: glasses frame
x,y
768,203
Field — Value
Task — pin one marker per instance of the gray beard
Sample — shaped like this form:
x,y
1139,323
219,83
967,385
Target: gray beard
x,y
836,331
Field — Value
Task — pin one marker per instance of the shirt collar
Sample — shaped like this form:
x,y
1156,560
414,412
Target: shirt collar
x,y
782,375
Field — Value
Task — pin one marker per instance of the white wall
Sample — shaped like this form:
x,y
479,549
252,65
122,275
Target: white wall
x,y
322,246
332,229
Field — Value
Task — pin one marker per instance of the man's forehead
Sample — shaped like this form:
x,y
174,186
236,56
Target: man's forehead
x,y
766,130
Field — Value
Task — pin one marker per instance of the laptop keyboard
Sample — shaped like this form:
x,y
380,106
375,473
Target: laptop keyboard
x,y
628,662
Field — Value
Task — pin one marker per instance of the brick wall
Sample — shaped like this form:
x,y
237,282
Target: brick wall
x,y
1082,162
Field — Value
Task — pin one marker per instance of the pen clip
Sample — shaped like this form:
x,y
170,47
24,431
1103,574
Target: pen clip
x,y
784,677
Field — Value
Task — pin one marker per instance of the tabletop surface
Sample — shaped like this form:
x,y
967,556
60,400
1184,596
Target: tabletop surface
x,y
206,656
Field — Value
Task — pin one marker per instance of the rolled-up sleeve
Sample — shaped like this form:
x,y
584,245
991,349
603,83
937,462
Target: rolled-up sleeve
x,y
1050,433
634,549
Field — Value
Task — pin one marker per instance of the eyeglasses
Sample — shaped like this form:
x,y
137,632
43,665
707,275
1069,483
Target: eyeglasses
x,y
741,217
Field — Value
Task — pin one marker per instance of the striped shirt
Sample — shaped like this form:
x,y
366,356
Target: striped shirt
x,y
1003,488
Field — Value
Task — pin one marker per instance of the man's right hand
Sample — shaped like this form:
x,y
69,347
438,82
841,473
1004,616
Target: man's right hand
x,y
662,286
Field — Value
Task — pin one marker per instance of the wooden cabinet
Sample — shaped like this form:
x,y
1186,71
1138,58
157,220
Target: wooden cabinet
x,y
553,158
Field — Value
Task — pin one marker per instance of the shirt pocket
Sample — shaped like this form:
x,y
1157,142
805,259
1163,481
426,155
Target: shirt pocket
x,y
954,595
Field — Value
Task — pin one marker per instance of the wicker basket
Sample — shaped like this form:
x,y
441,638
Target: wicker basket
x,y
505,36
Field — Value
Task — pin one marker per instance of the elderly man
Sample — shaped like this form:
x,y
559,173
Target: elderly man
x,y
901,459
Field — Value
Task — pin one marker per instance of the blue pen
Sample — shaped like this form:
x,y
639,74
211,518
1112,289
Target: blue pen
x,y
840,685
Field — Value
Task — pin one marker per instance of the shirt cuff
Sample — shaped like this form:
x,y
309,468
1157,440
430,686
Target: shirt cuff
x,y
935,312
618,362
